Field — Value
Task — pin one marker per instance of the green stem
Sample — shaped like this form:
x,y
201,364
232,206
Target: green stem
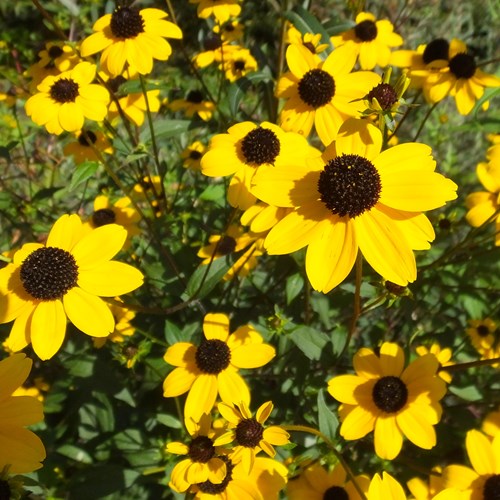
x,y
426,117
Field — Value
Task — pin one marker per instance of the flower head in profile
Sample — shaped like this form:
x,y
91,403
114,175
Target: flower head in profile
x,y
373,40
222,10
194,104
356,198
390,399
385,487
316,483
442,355
191,156
322,94
484,337
64,101
64,279
211,367
248,434
85,146
131,36
21,451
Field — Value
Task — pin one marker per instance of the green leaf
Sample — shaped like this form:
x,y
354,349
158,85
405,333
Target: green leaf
x,y
327,420
83,172
169,421
294,285
238,89
469,393
46,193
165,128
310,341
75,453
202,282
214,192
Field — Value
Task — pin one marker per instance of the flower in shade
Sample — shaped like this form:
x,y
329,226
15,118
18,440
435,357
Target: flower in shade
x,y
309,40
21,451
248,147
427,490
248,434
64,101
389,399
86,144
484,337
442,355
64,279
230,31
316,483
194,104
211,367
123,326
385,487
191,156
356,198
322,93
482,481
373,40
491,423
222,10
239,63
132,36
214,50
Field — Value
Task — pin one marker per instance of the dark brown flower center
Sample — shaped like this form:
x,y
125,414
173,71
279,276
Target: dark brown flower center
x,y
84,138
212,42
335,493
260,146
366,30
483,330
55,51
390,394
194,96
201,449
316,88
226,245
64,90
212,356
491,488
436,50
444,224
228,27
310,47
215,489
195,155
349,185
5,491
126,22
394,289
114,83
103,216
49,273
239,65
249,433
463,65
385,95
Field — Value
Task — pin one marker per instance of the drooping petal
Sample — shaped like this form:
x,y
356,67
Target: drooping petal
x,y
232,388
416,428
48,328
178,381
201,397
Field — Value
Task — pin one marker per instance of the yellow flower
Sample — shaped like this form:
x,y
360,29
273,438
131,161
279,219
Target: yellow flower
x,y
215,50
426,491
82,150
261,217
64,101
230,31
373,40
194,104
238,64
64,278
389,399
123,327
192,155
21,451
356,197
491,423
385,487
222,10
442,355
483,336
322,93
480,482
132,36
311,41
248,434
211,367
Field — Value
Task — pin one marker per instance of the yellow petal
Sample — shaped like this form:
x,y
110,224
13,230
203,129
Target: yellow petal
x,y
416,428
276,435
65,232
14,370
357,424
216,326
252,355
20,410
344,388
48,328
388,438
22,449
481,453
392,359
178,381
201,397
232,388
181,354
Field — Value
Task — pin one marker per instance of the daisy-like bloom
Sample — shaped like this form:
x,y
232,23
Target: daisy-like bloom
x,y
385,487
211,367
356,197
222,10
248,434
442,355
483,205
482,482
484,337
248,147
230,31
390,399
192,155
21,451
82,149
64,101
491,423
238,64
132,36
426,490
309,40
373,40
194,104
315,483
202,462
123,326
322,93
65,278
214,50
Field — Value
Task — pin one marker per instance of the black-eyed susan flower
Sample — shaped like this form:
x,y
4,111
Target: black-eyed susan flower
x,y
222,10
214,50
191,156
310,41
64,279
64,101
86,144
239,63
21,451
316,483
389,399
442,355
123,326
230,31
373,40
427,490
248,147
356,198
385,487
194,103
248,434
211,368
131,36
483,336
322,94
482,481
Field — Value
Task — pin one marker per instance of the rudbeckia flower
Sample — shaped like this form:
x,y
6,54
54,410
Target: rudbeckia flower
x,y
239,63
64,101
427,490
356,198
82,149
323,94
65,278
385,487
21,451
309,40
442,355
248,147
194,104
248,434
211,367
230,31
373,40
491,423
482,481
483,336
390,399
191,156
222,10
132,36
123,325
